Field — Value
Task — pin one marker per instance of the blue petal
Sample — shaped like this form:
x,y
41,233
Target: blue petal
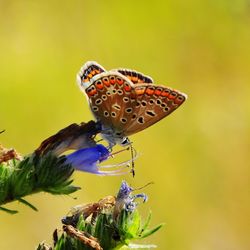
x,y
124,191
86,159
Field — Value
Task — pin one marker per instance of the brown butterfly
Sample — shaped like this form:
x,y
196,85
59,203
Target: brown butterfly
x,y
125,101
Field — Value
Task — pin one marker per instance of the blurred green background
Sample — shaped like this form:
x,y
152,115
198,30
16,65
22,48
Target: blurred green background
x,y
198,157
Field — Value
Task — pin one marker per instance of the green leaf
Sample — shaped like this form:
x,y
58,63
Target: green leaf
x,y
151,231
8,210
27,204
146,224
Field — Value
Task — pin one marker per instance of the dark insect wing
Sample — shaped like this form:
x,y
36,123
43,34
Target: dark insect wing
x,y
87,72
153,103
134,76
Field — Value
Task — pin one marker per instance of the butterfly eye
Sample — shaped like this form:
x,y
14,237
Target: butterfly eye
x,y
125,141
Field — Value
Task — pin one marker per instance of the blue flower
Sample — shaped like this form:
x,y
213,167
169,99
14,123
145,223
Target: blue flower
x,y
125,199
87,160
124,191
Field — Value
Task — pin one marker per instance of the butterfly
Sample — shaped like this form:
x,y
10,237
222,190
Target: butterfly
x,y
125,101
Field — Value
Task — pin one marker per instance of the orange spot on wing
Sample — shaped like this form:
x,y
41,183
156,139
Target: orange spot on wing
x,y
149,91
99,86
140,91
171,96
112,81
91,92
119,81
158,92
179,101
106,82
127,88
134,79
165,93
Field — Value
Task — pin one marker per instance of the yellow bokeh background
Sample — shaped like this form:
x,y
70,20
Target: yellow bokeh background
x,y
198,157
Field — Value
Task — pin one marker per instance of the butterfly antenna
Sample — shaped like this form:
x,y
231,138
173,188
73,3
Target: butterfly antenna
x,y
143,186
